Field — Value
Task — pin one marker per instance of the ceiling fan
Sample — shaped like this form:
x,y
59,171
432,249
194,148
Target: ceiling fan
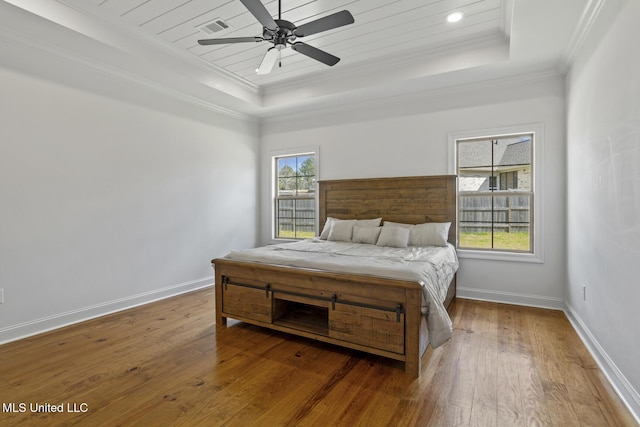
x,y
283,33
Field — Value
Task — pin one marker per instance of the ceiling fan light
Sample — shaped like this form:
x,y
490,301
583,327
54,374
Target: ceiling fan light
x,y
454,17
268,61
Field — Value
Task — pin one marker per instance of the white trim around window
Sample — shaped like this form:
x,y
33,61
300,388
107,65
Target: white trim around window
x,y
273,155
537,129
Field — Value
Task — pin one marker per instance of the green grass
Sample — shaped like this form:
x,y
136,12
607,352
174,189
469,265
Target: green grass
x,y
301,235
501,240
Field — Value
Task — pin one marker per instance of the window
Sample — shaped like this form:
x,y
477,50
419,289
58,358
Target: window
x,y
295,196
509,180
495,193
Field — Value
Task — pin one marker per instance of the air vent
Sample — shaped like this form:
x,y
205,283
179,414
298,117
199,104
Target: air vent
x,y
214,26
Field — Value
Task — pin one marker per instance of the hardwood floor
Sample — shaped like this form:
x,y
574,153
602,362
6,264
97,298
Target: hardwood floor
x,y
166,364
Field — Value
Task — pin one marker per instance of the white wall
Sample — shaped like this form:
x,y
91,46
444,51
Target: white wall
x,y
410,137
108,203
604,195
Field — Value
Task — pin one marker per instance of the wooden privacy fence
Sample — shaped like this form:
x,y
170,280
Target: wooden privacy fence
x,y
508,213
502,212
296,214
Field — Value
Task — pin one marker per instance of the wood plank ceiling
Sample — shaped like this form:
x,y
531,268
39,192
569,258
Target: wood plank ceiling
x,y
383,30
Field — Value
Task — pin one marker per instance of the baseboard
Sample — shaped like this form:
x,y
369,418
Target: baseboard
x,y
38,326
511,298
618,381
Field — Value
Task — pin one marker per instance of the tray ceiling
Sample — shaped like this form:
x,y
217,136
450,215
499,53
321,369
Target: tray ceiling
x,y
383,30
393,49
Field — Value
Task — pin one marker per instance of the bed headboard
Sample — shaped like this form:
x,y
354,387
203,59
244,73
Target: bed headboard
x,y
411,200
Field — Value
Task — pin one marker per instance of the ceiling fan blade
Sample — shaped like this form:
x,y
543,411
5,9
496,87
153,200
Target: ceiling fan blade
x,y
268,61
230,40
329,22
261,13
315,53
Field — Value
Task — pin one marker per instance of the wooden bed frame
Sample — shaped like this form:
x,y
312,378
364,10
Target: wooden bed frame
x,y
372,314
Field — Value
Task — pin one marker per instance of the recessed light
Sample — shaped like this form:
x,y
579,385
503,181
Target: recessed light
x,y
454,17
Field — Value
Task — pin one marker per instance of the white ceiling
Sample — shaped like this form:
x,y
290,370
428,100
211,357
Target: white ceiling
x,y
382,28
393,47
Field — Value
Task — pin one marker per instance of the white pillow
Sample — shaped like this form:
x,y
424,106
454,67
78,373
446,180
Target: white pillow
x,y
327,227
397,237
430,234
341,231
324,235
375,222
368,235
397,224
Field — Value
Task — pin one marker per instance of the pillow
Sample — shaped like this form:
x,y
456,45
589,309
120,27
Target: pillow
x,y
397,224
396,237
430,234
327,227
368,235
375,222
341,231
324,235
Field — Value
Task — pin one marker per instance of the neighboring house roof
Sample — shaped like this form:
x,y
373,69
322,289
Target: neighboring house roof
x,y
505,153
518,153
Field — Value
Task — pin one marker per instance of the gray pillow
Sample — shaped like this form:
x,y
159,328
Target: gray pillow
x,y
341,231
396,237
324,235
368,235
430,234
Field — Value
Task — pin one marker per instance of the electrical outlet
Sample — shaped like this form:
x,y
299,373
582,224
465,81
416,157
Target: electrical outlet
x,y
584,292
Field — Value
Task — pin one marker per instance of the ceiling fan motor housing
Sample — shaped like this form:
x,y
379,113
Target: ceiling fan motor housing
x,y
283,35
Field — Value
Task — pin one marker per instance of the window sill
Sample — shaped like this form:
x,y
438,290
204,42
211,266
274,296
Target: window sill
x,y
500,256
275,241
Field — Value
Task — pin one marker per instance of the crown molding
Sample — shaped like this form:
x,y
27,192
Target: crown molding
x,y
398,103
26,42
587,19
506,17
412,73
165,48
401,61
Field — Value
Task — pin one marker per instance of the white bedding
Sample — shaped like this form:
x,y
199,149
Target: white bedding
x,y
431,266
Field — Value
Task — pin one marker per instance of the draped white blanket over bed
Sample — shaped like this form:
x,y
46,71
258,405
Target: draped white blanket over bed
x,y
431,266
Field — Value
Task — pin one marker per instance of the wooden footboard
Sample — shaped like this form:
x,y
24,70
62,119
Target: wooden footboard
x,y
371,314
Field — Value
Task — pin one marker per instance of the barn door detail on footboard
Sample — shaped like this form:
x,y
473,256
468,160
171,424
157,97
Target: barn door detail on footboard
x,y
375,328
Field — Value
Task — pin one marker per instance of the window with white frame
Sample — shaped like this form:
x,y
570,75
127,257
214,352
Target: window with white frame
x,y
295,196
496,193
